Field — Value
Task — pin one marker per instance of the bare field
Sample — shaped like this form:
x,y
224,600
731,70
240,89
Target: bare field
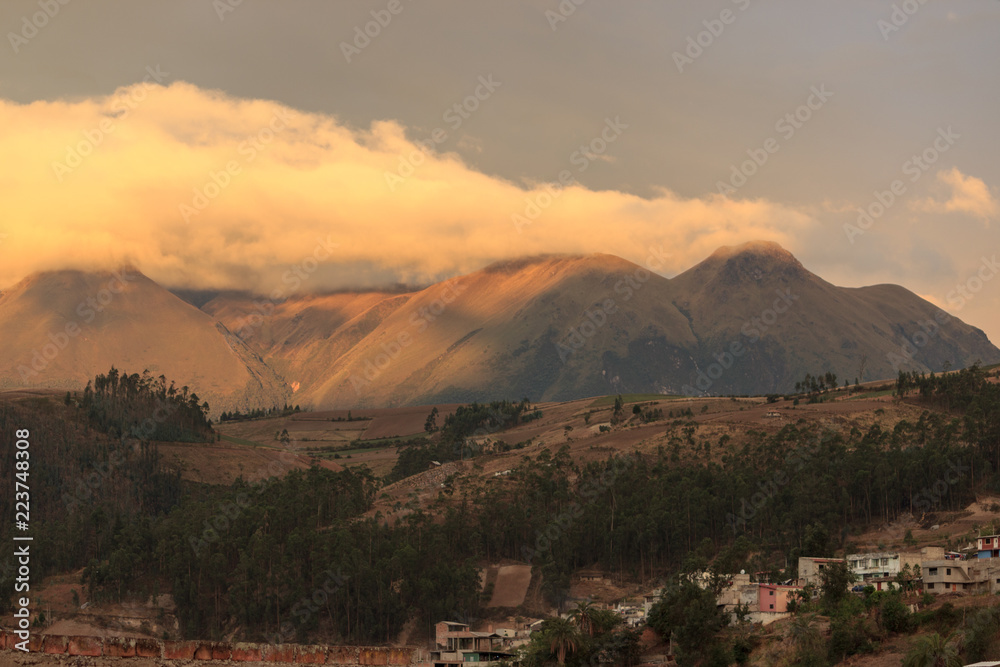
x,y
223,462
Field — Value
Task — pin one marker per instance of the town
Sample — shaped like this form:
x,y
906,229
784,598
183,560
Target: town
x,y
753,598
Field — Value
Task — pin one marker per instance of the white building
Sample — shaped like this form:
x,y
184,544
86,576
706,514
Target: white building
x,y
888,564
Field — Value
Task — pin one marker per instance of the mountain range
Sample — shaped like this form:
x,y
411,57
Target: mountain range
x,y
748,319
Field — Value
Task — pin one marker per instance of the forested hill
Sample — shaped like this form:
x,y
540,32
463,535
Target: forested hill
x,y
250,558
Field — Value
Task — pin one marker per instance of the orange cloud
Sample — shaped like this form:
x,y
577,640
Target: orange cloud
x,y
199,189
969,195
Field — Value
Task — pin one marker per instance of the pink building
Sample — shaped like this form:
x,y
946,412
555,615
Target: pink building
x,y
775,597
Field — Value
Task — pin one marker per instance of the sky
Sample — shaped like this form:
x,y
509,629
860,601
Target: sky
x,y
220,144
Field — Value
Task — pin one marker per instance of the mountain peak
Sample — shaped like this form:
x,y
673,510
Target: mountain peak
x,y
759,249
752,261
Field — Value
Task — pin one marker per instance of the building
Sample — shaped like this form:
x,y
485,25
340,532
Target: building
x,y
456,644
988,546
878,568
881,565
762,603
775,597
961,576
810,569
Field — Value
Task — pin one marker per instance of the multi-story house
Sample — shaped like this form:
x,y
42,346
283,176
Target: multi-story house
x,y
456,644
961,576
881,567
810,569
988,546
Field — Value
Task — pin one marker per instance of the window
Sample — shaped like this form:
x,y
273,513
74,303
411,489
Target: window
x,y
772,606
948,571
770,593
932,571
929,586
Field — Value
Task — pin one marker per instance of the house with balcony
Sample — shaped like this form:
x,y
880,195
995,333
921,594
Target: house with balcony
x,y
988,546
880,568
457,644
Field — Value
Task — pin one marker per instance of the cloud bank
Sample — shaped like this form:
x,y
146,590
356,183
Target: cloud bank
x,y
199,189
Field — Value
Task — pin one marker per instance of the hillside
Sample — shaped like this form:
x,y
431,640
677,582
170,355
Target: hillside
x,y
556,328
62,328
791,322
747,320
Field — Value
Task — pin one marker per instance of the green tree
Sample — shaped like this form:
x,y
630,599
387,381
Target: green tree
x,y
932,651
618,412
583,617
836,580
808,642
689,616
431,424
562,638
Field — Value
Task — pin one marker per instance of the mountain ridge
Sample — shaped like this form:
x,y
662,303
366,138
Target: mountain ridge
x,y
747,319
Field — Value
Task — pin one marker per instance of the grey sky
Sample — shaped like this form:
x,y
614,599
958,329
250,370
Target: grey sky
x,y
891,94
